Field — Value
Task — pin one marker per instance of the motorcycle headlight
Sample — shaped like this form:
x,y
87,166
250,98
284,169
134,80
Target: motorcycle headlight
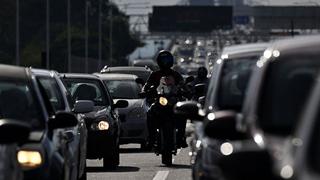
x,y
29,159
163,101
103,125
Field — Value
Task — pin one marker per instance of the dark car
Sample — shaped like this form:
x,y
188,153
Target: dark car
x,y
226,91
103,123
141,72
23,100
134,117
301,160
74,148
276,95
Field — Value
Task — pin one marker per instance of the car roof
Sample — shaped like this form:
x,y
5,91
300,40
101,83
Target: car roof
x,y
13,72
298,45
244,49
116,76
125,68
42,72
79,75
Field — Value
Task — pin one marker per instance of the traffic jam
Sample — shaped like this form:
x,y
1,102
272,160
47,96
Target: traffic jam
x,y
88,93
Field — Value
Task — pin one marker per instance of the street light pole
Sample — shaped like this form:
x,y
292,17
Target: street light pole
x,y
100,35
48,35
110,34
17,32
69,34
86,35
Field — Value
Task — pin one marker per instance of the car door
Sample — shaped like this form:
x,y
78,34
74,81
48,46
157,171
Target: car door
x,y
64,139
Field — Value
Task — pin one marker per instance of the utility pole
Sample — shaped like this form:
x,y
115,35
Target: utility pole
x,y
100,35
69,35
48,35
17,32
110,33
86,35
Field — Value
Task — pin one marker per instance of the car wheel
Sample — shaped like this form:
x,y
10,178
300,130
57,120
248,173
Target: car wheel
x,y
112,160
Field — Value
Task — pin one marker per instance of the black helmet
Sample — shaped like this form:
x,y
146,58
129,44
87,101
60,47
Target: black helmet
x,y
165,59
202,72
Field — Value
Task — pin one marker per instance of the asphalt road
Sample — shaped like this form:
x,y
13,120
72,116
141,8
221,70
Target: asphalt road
x,y
138,165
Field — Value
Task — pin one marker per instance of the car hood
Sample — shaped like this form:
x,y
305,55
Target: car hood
x,y
98,111
132,104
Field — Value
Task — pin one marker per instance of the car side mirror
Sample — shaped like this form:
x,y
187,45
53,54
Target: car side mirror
x,y
12,131
140,81
83,106
121,104
189,79
258,164
222,125
62,120
188,109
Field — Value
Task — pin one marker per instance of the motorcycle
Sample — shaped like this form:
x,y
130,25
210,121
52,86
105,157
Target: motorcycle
x,y
166,123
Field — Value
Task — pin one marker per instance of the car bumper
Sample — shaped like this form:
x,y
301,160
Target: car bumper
x,y
101,143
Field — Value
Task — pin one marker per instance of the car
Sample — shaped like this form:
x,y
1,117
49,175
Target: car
x,y
9,165
75,149
276,95
226,91
146,63
141,72
23,100
103,123
134,117
301,155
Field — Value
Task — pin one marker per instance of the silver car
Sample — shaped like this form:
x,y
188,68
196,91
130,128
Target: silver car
x,y
134,117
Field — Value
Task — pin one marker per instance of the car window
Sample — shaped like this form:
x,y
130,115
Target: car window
x,y
123,89
233,82
287,85
53,92
18,102
87,89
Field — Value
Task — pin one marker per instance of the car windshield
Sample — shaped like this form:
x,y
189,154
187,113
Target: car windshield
x,y
123,89
18,102
233,82
284,93
87,89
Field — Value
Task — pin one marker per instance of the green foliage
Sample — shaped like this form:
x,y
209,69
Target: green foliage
x,y
33,31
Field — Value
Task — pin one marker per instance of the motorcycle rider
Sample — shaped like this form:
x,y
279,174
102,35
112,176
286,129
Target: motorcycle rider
x,y
200,79
165,61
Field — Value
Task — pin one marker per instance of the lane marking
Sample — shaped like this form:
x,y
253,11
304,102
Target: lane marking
x,y
161,175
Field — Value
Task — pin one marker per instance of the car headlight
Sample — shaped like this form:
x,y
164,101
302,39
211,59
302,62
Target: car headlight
x,y
100,126
29,159
163,101
103,125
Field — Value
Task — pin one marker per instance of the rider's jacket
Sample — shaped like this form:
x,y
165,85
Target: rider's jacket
x,y
154,79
